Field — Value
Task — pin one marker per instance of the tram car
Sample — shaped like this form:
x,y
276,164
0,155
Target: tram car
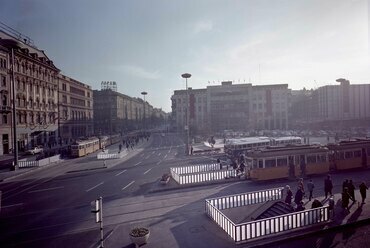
x,y
234,147
350,154
113,139
103,142
84,147
287,162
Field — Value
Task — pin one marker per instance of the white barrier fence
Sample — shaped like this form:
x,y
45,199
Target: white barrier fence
x,y
200,173
103,155
263,227
41,162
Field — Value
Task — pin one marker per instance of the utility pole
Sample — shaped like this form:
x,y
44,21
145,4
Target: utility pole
x,y
97,209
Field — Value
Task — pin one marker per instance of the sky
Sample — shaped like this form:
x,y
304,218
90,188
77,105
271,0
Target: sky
x,y
145,45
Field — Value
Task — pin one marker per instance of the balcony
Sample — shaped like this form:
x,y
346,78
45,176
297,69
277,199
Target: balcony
x,y
5,109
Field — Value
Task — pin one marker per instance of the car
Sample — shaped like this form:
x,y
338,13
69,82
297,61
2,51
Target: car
x,y
35,150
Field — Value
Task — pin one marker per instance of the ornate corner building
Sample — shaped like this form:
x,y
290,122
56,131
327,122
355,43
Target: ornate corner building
x,y
36,95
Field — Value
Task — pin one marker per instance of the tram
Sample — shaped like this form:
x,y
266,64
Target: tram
x,y
297,160
290,161
84,147
350,154
234,147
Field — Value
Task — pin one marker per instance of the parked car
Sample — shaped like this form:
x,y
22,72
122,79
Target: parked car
x,y
35,150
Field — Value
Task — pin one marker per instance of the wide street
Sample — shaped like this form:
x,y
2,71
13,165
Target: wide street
x,y
51,207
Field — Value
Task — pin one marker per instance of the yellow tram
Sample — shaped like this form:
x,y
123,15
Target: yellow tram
x,y
350,154
84,147
290,161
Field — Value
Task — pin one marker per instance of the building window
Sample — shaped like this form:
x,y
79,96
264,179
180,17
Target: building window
x,y
3,81
5,119
64,87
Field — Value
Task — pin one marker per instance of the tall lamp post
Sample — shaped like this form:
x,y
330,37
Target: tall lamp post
x,y
187,127
11,44
144,93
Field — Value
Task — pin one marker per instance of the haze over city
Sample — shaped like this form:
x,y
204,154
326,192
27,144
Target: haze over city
x,y
147,45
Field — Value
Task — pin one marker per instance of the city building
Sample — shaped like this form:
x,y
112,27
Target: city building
x,y
36,95
75,110
238,107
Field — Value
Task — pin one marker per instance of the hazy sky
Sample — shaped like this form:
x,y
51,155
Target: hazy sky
x,y
147,45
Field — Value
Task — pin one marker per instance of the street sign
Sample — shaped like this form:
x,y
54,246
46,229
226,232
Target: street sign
x,y
96,208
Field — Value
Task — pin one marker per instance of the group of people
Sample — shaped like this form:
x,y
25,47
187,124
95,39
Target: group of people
x,y
348,193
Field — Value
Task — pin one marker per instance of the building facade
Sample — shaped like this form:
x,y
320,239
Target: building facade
x,y
238,107
75,110
36,95
115,112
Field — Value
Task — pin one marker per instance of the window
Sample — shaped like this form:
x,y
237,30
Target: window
x,y
269,163
5,119
311,159
349,154
282,162
3,81
321,158
260,163
357,154
64,87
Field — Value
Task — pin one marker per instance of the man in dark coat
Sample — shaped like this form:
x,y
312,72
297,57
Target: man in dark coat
x,y
351,190
328,186
363,189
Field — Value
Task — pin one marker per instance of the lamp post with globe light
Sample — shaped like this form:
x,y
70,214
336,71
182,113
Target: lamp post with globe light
x,y
144,93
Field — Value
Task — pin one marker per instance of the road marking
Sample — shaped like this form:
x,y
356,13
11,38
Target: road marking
x,y
147,171
153,152
41,190
165,156
128,185
159,154
137,163
14,205
159,162
95,186
120,172
169,151
147,157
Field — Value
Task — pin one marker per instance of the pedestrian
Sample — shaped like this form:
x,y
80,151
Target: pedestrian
x,y
345,199
351,190
105,164
191,150
363,187
345,184
328,186
301,186
219,162
298,196
310,187
289,195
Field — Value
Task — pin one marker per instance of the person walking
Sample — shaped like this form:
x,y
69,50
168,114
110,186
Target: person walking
x,y
310,187
298,196
345,184
345,199
351,190
328,186
363,187
289,195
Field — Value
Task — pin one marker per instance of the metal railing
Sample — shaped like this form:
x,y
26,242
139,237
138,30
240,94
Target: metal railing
x,y
263,227
196,168
41,162
203,176
111,155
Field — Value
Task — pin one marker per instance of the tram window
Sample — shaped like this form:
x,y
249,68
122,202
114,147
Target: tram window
x,y
270,163
368,151
311,159
349,154
357,154
282,162
341,155
321,158
260,164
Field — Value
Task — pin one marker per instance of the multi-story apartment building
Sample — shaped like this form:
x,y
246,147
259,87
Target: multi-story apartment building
x,y
342,102
197,109
115,112
75,109
232,107
36,97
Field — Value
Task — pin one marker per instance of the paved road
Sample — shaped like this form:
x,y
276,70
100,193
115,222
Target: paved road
x,y
51,208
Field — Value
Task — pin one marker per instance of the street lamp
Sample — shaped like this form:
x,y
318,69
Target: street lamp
x,y
186,76
144,93
11,44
